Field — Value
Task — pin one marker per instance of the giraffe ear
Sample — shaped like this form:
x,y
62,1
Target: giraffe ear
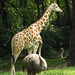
x,y
53,1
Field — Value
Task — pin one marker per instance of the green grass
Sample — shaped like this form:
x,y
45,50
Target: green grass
x,y
55,67
63,71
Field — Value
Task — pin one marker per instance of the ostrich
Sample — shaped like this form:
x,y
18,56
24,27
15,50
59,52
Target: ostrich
x,y
33,64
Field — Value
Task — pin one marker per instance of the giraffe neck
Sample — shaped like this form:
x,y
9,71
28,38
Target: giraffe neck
x,y
43,20
40,24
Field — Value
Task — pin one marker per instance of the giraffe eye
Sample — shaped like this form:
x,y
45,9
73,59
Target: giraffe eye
x,y
56,7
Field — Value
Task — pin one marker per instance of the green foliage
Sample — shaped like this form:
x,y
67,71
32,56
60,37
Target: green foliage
x,y
53,40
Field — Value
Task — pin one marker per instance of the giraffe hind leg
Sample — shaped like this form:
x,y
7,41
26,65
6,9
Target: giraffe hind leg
x,y
12,65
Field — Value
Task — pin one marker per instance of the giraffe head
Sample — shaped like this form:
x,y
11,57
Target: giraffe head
x,y
55,7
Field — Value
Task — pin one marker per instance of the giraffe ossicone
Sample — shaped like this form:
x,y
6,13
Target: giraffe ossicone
x,y
30,38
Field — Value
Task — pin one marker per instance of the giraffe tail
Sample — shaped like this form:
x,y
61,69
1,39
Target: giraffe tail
x,y
12,59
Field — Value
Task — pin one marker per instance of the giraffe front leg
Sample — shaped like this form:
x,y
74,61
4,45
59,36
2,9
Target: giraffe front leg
x,y
29,51
13,61
35,48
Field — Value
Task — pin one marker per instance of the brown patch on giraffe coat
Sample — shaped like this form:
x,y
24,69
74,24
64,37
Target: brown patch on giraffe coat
x,y
47,12
35,25
32,36
17,36
39,28
38,23
43,19
27,31
35,30
16,47
27,34
21,43
41,22
36,34
16,40
29,37
20,37
20,34
45,16
44,22
24,38
16,43
35,37
39,38
32,31
24,32
31,27
42,26
29,40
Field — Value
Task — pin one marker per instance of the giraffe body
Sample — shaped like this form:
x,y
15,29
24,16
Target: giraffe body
x,y
30,38
26,40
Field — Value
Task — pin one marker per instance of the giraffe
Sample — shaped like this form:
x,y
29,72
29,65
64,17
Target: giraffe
x,y
30,38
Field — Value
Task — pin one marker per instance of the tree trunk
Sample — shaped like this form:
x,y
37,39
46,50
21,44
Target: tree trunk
x,y
72,40
3,13
57,22
68,13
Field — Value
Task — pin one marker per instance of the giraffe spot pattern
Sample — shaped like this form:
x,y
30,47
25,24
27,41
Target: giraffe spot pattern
x,y
44,22
45,16
31,28
35,26
43,19
32,36
32,33
39,28
42,26
35,30
41,22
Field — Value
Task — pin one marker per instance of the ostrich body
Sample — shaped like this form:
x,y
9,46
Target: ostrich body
x,y
33,64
